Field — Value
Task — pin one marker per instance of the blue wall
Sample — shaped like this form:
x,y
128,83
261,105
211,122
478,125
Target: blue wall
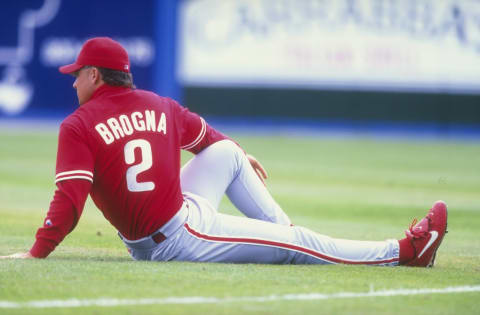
x,y
30,52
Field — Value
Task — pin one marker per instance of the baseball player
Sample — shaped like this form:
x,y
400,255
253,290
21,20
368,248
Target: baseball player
x,y
122,146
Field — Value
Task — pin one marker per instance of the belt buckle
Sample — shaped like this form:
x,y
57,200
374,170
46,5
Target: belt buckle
x,y
158,237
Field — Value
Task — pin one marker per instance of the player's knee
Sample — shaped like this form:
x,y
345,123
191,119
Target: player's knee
x,y
227,149
227,145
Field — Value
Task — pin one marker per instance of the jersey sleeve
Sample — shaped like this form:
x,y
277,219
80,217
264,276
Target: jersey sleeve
x,y
74,178
62,217
74,156
195,133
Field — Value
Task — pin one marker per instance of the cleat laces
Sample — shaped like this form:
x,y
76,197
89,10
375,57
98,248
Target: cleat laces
x,y
418,229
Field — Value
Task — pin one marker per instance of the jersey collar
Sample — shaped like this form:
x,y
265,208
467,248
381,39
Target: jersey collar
x,y
107,89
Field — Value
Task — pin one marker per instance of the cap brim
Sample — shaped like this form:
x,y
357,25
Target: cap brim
x,y
68,69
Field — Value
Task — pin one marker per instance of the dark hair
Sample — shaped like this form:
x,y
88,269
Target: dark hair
x,y
117,78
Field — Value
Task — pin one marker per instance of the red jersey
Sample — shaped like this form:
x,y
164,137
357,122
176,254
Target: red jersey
x,y
122,147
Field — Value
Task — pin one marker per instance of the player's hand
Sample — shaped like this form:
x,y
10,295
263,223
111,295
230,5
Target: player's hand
x,y
258,168
18,256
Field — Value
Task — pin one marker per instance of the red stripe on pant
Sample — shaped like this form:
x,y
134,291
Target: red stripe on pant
x,y
285,246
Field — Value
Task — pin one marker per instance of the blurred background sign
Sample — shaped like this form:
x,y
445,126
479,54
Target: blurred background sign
x,y
429,45
333,60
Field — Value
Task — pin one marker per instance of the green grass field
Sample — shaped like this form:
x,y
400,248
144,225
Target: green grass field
x,y
355,188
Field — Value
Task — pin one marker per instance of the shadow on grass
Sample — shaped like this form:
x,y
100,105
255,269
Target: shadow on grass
x,y
91,258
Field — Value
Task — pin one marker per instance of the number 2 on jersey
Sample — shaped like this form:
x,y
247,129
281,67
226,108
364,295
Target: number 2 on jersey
x,y
134,170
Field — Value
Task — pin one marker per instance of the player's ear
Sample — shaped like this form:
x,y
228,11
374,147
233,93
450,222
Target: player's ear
x,y
96,76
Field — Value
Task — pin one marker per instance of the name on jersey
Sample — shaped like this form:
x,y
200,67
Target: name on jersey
x,y
125,125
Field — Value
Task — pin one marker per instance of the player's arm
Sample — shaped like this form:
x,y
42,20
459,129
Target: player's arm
x,y
74,178
62,217
197,134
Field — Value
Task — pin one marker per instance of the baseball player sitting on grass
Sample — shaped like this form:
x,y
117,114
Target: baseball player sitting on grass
x,y
122,146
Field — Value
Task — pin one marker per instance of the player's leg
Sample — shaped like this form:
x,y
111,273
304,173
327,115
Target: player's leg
x,y
209,236
223,168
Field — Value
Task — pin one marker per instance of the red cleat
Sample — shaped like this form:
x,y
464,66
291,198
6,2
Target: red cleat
x,y
427,235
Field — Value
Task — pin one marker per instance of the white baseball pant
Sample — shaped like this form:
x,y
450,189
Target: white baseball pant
x,y
198,232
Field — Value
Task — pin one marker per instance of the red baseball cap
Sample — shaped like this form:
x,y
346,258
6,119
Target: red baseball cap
x,y
101,52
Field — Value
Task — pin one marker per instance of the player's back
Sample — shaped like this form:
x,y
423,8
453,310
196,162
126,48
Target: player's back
x,y
134,139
